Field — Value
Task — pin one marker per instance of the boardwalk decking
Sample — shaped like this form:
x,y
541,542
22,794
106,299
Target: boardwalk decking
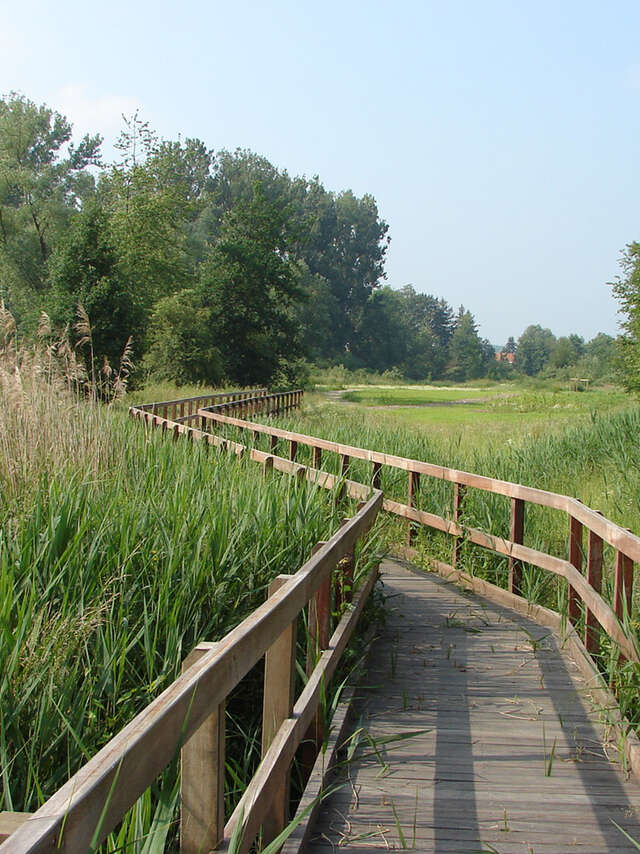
x,y
507,751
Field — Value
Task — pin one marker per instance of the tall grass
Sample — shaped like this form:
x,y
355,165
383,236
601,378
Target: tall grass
x,y
597,460
119,551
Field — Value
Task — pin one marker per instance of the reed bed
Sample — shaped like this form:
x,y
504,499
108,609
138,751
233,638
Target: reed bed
x,y
119,551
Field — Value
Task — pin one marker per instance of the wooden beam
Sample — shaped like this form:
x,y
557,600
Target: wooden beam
x,y
10,822
594,579
202,761
458,497
414,484
517,536
279,680
575,559
623,591
613,534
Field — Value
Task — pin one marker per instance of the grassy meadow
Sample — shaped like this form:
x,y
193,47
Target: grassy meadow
x,y
119,551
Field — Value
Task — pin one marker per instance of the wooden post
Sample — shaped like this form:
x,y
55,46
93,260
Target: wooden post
x,y
575,559
414,484
319,619
317,458
376,474
293,450
279,681
267,467
273,441
343,587
517,536
318,630
623,592
594,578
344,465
202,777
458,497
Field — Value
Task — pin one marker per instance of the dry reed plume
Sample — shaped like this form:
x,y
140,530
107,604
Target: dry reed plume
x,y
49,410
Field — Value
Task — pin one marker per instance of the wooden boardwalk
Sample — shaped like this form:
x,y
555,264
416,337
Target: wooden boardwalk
x,y
507,753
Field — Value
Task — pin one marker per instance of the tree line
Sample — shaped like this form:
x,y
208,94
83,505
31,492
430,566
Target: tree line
x,y
220,265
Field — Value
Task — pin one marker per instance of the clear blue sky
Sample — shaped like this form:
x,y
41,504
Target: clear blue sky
x,y
500,139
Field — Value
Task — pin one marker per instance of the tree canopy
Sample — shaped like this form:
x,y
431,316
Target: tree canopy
x,y
223,266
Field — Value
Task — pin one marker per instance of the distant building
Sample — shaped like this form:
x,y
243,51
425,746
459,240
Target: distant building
x,y
506,357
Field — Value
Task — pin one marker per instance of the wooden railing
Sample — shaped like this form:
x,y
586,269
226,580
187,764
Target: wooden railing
x,y
185,409
188,717
588,590
278,403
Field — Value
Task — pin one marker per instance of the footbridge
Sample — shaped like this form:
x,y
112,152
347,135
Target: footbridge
x,y
481,721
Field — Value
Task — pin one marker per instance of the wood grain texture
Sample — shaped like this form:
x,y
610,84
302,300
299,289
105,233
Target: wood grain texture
x,y
486,737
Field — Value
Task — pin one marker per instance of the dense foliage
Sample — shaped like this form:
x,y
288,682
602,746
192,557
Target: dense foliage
x,y
222,266
627,289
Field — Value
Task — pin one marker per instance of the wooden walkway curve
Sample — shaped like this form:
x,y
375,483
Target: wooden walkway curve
x,y
478,735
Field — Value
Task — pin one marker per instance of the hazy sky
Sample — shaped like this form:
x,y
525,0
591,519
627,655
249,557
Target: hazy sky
x,y
500,139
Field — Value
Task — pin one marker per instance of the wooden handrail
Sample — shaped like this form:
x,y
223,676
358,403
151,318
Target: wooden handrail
x,y
113,779
616,536
253,392
91,803
626,544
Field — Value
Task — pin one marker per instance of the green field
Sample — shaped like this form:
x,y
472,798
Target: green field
x,y
495,415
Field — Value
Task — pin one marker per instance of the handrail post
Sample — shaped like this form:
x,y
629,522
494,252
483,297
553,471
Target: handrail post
x,y
517,536
293,450
279,682
273,441
575,559
623,592
414,484
319,633
317,457
458,497
376,474
344,576
202,761
594,578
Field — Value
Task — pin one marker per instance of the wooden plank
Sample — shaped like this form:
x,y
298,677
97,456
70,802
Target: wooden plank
x,y
11,821
277,706
599,608
202,761
454,782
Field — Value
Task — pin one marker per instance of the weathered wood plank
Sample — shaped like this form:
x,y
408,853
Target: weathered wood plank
x,y
520,750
